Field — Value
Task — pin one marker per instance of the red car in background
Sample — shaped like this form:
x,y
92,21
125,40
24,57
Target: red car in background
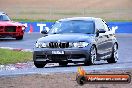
x,y
9,28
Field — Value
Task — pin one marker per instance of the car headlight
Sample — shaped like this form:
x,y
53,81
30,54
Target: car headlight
x,y
43,45
80,44
40,45
23,28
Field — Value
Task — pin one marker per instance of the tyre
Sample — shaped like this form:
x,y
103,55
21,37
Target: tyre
x,y
19,38
63,63
114,56
92,56
39,64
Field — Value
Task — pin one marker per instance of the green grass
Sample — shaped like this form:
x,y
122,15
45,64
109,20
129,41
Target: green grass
x,y
32,20
43,20
11,57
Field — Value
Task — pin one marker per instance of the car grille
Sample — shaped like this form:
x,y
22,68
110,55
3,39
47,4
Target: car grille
x,y
40,56
10,28
1,28
58,44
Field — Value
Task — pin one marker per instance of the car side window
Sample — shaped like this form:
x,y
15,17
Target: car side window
x,y
99,24
4,18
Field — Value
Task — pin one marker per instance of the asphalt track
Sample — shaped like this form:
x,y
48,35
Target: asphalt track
x,y
124,62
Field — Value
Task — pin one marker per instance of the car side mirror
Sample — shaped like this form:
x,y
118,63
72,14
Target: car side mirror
x,y
44,32
100,31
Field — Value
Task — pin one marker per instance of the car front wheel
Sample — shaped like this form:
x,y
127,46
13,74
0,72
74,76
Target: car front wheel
x,y
92,57
114,56
39,65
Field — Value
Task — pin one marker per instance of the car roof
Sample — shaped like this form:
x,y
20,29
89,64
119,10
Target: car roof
x,y
80,18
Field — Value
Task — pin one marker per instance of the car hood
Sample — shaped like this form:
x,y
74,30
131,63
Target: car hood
x,y
66,38
9,23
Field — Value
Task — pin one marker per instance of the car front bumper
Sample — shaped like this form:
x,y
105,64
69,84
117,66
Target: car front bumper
x,y
69,55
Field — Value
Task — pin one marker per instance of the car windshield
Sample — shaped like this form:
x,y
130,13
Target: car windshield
x,y
73,26
4,18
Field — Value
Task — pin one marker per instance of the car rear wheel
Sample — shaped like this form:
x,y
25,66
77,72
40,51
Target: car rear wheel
x,y
39,65
19,38
114,56
63,63
92,57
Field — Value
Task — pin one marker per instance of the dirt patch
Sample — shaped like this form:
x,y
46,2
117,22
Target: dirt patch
x,y
56,9
57,80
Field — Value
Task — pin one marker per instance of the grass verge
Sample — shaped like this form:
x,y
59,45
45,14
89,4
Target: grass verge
x,y
44,20
11,57
33,20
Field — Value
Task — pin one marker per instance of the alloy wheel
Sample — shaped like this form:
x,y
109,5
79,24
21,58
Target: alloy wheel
x,y
93,55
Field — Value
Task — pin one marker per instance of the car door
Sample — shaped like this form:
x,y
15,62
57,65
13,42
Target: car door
x,y
108,44
101,39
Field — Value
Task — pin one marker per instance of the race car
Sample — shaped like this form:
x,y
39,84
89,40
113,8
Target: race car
x,y
76,40
10,28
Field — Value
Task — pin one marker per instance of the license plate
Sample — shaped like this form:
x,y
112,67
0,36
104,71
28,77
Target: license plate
x,y
57,52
